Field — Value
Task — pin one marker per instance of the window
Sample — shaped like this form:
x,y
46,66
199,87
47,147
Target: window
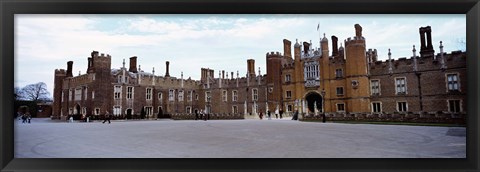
x,y
196,96
255,94
129,92
338,73
180,96
234,95
401,87
84,111
126,79
188,109
402,106
171,95
93,95
224,95
117,111
62,96
119,79
148,110
70,95
376,107
85,93
289,108
375,86
339,91
149,94
207,96
340,107
117,92
289,94
78,94
454,106
97,111
288,78
160,96
452,82
189,96
234,109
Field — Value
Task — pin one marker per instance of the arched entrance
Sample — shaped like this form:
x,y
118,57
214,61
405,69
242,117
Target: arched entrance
x,y
78,112
313,98
129,113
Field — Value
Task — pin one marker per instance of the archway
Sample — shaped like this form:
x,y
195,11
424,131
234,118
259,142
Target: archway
x,y
78,112
313,98
129,113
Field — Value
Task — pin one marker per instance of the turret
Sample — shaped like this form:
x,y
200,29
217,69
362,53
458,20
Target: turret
x,y
251,68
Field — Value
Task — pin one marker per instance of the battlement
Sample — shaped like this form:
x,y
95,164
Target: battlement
x,y
288,66
273,54
405,64
80,80
60,72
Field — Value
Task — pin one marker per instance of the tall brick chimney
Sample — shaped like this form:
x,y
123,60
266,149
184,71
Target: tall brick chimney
x,y
306,47
69,68
251,67
287,48
167,73
133,64
334,46
426,47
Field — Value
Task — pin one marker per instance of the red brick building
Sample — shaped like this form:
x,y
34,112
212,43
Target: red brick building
x,y
350,79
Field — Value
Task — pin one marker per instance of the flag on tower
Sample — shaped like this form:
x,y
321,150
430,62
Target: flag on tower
x,y
318,26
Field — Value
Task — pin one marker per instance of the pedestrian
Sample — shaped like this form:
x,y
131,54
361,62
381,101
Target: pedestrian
x,y
196,114
295,115
276,115
70,119
107,117
24,118
29,117
281,113
261,115
269,115
324,117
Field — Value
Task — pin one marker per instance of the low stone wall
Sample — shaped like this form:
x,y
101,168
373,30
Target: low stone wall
x,y
423,117
214,116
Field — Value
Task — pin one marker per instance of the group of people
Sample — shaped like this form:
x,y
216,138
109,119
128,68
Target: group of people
x,y
269,116
201,115
25,117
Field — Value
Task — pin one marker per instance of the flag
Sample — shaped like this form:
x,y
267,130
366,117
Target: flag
x,y
318,26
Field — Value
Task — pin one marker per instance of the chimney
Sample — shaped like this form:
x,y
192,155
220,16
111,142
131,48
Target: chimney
x,y
133,64
231,75
429,37
89,68
287,48
223,74
251,67
334,46
69,69
166,73
306,47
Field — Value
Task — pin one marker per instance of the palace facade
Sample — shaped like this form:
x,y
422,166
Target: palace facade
x,y
349,79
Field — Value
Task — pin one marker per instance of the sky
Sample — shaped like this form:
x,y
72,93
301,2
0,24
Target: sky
x,y
45,42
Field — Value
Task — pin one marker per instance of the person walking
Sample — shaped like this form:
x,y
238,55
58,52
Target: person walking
x,y
24,118
295,115
196,114
269,115
281,113
107,118
29,117
261,115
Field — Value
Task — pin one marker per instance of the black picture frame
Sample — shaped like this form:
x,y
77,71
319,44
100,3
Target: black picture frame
x,y
9,8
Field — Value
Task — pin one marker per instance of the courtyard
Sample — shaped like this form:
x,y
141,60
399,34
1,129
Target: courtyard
x,y
276,138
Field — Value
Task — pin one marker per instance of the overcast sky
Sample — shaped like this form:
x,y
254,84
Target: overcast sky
x,y
44,43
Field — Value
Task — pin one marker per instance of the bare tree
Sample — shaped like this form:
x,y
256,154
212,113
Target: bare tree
x,y
36,92
18,94
462,44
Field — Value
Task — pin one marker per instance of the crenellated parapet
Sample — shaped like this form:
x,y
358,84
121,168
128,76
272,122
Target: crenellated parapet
x,y
78,80
403,65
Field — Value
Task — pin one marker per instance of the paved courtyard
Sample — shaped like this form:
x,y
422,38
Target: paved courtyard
x,y
276,138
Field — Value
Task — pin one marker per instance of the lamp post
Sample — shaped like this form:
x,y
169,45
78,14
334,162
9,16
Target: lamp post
x,y
323,105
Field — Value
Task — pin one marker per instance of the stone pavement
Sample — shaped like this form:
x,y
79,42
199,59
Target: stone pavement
x,y
275,138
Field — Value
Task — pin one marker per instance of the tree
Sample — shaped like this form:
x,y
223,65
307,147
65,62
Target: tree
x,y
18,94
36,92
462,44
